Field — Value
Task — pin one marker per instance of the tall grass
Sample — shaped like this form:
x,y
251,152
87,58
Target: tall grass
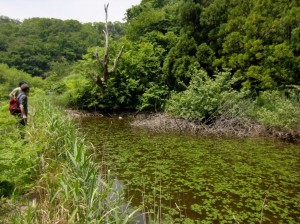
x,y
17,160
71,188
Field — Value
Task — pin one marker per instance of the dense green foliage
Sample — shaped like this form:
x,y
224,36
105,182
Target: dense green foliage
x,y
36,45
10,78
278,109
168,42
205,96
171,48
257,40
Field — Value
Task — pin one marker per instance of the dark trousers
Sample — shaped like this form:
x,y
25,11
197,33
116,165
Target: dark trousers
x,y
21,125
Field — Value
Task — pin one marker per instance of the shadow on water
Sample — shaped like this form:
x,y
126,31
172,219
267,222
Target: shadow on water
x,y
184,178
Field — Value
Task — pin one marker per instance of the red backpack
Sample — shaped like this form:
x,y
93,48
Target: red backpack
x,y
14,106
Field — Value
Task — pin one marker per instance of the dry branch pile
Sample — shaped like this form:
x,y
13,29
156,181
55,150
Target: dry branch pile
x,y
220,126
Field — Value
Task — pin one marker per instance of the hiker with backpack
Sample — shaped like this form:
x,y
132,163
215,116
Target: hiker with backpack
x,y
18,106
23,103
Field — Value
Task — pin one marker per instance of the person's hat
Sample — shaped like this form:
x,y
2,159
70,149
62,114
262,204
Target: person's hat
x,y
25,87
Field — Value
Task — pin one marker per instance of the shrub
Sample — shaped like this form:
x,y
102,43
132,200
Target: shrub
x,y
154,97
204,97
274,108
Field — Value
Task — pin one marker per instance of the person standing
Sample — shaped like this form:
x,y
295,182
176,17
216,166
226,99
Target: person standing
x,y
23,102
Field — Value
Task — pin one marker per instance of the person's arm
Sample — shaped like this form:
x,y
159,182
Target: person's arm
x,y
23,112
23,103
13,93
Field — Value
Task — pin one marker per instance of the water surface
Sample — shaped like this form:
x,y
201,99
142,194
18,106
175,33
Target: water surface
x,y
191,179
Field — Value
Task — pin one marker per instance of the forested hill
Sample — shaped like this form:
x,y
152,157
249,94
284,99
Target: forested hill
x,y
258,40
36,44
175,52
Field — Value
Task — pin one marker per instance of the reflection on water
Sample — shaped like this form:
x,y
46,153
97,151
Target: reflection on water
x,y
214,180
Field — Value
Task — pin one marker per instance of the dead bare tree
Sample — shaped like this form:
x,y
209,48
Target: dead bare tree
x,y
102,77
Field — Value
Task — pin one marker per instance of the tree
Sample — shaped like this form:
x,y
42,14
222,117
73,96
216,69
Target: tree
x,y
179,60
102,78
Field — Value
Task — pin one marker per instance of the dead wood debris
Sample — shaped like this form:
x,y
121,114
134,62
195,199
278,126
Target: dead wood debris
x,y
221,126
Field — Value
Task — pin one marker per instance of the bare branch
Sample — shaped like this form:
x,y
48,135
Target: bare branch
x,y
92,77
106,11
101,78
106,33
106,58
105,61
96,54
97,80
116,61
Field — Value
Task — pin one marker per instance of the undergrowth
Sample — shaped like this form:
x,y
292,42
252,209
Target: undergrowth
x,y
206,99
55,173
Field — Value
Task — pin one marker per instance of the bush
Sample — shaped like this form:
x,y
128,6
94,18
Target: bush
x,y
204,97
277,109
154,97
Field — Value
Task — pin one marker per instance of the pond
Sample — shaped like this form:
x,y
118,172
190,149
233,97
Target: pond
x,y
189,179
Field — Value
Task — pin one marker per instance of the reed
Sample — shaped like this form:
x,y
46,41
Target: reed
x,y
71,188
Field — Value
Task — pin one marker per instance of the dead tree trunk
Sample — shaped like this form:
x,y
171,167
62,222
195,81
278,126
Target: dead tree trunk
x,y
102,78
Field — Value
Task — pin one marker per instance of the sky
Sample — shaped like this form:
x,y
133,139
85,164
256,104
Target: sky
x,y
81,10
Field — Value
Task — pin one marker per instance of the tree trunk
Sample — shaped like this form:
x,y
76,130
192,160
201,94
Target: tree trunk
x,y
103,76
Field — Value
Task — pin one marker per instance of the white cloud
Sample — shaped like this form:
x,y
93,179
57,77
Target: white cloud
x,y
81,10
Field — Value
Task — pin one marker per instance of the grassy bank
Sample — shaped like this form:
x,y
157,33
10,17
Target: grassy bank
x,y
50,176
